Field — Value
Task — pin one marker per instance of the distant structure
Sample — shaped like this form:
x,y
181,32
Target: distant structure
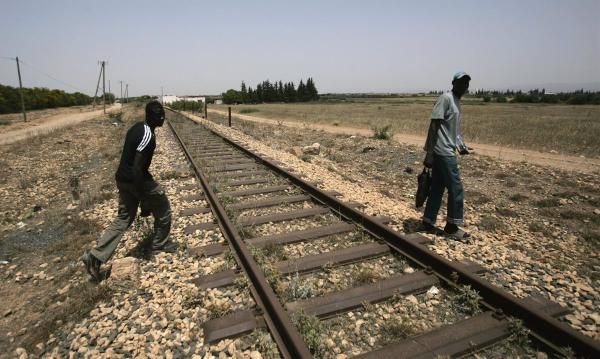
x,y
169,99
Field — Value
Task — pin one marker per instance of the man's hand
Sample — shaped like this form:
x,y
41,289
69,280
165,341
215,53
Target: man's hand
x,y
466,151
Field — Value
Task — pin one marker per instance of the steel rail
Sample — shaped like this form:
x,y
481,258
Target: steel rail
x,y
549,330
276,316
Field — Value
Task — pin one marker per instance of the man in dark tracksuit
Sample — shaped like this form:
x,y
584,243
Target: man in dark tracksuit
x,y
136,185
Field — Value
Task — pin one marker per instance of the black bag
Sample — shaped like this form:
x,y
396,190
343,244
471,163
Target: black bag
x,y
424,185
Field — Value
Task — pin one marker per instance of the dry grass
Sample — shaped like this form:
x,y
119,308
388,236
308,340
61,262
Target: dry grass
x,y
564,128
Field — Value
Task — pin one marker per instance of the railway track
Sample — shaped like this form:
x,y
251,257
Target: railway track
x,y
289,238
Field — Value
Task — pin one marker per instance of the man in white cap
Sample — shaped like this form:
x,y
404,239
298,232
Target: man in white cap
x,y
445,120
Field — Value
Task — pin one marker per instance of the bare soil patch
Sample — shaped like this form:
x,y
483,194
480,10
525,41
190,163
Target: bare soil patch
x,y
45,121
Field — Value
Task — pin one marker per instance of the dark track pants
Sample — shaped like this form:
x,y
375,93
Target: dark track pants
x,y
154,199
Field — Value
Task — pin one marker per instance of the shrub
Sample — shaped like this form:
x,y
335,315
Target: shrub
x,y
248,110
312,330
501,99
382,133
549,99
486,99
577,99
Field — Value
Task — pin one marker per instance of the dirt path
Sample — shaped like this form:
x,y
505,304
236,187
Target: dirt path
x,y
573,163
51,123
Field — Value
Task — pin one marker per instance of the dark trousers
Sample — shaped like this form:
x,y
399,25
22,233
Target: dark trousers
x,y
154,199
445,174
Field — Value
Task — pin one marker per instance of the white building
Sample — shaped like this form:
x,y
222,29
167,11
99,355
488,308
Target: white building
x,y
169,99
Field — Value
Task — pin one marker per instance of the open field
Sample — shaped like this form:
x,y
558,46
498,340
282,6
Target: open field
x,y
566,129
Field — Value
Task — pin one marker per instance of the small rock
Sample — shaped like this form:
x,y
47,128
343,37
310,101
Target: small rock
x,y
541,355
64,290
43,265
21,352
563,201
368,149
296,151
313,149
597,211
255,355
409,270
412,299
341,356
432,292
8,312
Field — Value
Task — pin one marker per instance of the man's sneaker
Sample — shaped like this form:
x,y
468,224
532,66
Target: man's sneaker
x,y
92,265
429,228
452,231
169,247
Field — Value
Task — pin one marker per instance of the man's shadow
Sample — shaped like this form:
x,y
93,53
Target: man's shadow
x,y
411,225
143,249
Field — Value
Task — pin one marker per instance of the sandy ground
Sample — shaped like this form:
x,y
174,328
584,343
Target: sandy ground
x,y
580,164
50,123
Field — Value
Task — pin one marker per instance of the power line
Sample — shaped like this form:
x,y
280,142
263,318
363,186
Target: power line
x,y
7,58
50,76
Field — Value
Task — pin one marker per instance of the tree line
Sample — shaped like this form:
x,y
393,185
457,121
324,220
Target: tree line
x,y
186,105
37,98
273,92
579,97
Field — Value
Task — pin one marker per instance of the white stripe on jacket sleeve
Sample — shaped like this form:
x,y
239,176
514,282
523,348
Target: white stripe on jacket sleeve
x,y
145,139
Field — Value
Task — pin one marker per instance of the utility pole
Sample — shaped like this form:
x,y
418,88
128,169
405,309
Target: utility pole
x,y
121,82
97,86
126,92
104,86
109,87
162,96
21,91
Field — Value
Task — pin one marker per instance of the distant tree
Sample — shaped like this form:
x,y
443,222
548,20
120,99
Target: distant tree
x,y
289,92
232,97
280,92
244,92
301,92
311,90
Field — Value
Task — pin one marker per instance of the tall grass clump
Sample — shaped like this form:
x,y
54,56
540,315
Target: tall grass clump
x,y
382,133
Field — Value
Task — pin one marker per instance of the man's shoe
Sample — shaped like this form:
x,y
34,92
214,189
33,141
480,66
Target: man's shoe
x,y
169,247
429,228
456,233
92,265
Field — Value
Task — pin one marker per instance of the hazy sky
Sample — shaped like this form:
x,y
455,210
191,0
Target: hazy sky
x,y
346,46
